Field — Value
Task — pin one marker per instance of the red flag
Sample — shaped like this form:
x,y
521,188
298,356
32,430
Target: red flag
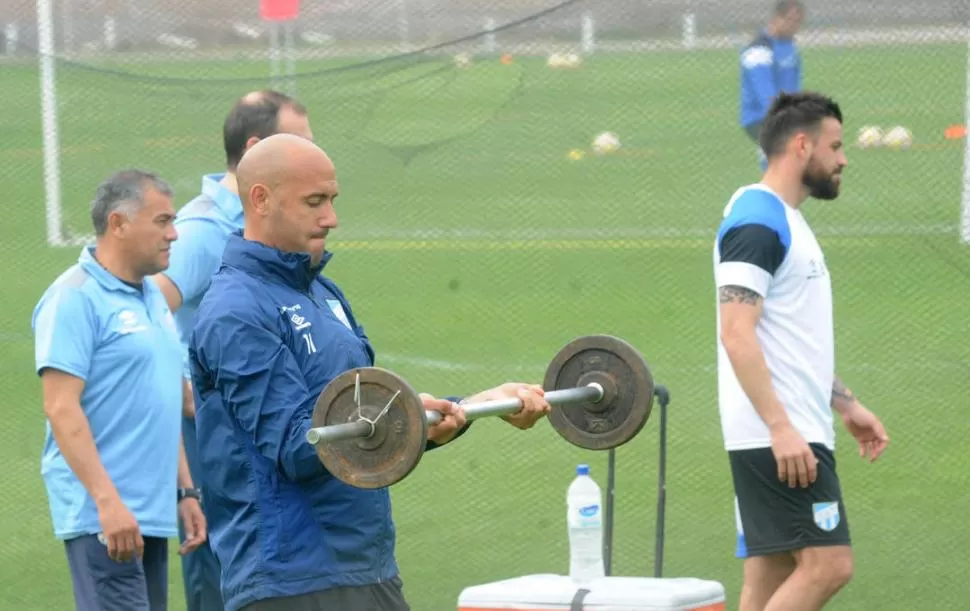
x,y
279,10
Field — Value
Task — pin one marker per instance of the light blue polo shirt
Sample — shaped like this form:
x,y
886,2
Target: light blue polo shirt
x,y
204,225
122,342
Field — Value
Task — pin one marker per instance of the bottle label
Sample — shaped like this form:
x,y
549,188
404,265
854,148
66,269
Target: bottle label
x,y
585,516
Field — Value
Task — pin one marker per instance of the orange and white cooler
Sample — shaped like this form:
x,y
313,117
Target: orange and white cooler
x,y
547,592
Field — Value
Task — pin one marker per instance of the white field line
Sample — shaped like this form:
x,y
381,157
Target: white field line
x,y
394,359
421,362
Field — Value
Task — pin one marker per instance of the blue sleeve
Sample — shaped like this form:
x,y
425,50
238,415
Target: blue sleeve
x,y
758,65
65,331
755,231
195,256
261,386
757,207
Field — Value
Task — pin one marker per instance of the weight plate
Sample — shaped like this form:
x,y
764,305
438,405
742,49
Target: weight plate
x,y
627,392
398,441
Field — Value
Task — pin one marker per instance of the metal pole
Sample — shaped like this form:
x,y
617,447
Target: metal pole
x,y
274,54
289,56
663,397
608,527
473,411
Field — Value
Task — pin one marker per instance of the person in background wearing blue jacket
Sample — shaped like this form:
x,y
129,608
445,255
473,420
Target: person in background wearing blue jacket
x,y
770,64
271,332
204,225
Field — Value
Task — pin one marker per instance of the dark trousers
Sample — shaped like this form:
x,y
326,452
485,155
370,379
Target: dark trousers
x,y
200,577
200,569
387,596
754,131
101,584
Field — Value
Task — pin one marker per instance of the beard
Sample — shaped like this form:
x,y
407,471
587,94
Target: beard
x,y
820,184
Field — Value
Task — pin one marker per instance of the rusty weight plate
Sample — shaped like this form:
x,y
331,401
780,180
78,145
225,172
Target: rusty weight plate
x,y
627,392
397,444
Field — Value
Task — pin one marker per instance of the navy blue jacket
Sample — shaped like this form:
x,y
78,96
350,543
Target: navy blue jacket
x,y
270,333
769,66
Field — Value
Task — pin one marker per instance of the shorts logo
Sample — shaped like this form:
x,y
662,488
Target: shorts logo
x,y
826,515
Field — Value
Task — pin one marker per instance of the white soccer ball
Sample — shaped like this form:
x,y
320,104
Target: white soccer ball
x,y
573,60
898,138
605,143
870,136
556,60
463,60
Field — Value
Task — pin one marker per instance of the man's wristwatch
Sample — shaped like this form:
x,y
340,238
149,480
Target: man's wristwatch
x,y
189,493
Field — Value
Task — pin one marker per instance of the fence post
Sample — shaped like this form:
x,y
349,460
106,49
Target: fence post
x,y
588,42
689,31
490,35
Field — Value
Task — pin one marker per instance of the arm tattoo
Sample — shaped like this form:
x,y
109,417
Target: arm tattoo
x,y
841,391
738,294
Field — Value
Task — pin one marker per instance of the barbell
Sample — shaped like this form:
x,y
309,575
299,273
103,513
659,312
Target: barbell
x,y
370,428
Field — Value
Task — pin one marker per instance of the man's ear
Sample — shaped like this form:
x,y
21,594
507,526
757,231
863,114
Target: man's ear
x,y
804,144
117,223
259,199
250,143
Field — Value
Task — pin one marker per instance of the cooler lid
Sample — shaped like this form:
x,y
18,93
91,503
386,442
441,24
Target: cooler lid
x,y
633,592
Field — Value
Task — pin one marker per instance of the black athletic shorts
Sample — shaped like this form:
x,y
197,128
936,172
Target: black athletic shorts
x,y
385,596
775,518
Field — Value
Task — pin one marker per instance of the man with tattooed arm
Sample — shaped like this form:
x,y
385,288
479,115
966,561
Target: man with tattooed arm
x,y
777,387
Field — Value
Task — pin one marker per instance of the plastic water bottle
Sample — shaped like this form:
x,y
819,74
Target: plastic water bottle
x,y
584,517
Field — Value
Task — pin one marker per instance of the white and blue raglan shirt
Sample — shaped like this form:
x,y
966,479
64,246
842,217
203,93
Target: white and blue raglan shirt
x,y
769,66
203,225
766,246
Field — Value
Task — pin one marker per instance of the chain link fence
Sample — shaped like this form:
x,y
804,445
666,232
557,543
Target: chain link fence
x,y
479,233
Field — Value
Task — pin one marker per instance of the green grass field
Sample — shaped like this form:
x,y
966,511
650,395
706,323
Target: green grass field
x,y
472,249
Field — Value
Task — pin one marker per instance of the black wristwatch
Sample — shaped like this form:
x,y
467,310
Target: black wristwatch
x,y
189,493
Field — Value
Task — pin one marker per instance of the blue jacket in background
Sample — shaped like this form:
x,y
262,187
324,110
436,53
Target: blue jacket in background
x,y
769,66
270,333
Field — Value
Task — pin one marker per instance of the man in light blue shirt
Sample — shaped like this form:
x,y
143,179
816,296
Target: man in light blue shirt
x,y
770,64
204,226
108,355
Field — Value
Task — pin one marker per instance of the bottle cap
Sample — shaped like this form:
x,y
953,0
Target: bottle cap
x,y
582,470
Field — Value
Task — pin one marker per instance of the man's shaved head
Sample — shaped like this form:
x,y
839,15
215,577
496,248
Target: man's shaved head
x,y
287,185
269,160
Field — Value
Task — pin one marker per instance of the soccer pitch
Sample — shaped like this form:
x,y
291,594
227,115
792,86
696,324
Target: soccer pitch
x,y
473,248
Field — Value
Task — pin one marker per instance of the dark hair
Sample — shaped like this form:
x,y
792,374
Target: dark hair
x,y
255,114
783,7
125,191
795,112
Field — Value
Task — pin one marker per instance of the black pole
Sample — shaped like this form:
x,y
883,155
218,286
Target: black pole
x,y
608,526
663,397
